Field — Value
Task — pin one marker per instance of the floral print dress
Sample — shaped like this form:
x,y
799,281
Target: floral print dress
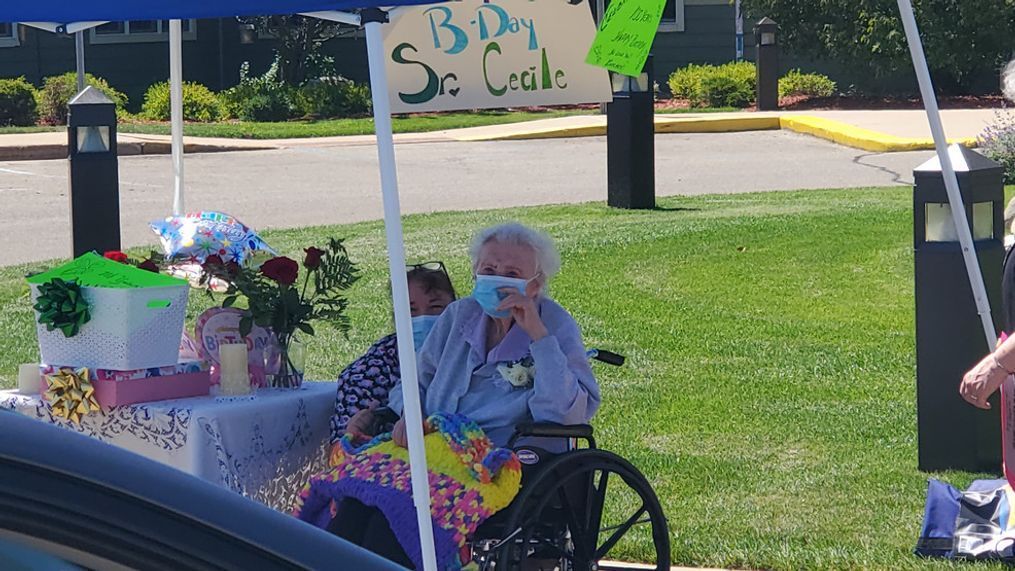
x,y
365,383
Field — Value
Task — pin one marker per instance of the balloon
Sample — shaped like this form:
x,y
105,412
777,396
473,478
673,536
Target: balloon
x,y
193,237
193,273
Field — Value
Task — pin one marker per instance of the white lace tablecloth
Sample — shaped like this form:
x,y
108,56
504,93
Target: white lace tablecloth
x,y
265,448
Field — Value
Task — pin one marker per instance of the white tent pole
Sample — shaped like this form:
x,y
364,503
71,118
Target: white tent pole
x,y
950,180
176,109
400,292
79,57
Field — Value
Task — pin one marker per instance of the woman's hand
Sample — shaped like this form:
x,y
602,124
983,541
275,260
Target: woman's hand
x,y
399,435
360,424
981,382
525,313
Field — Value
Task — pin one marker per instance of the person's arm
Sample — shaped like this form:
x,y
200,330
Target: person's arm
x,y
565,390
356,385
987,376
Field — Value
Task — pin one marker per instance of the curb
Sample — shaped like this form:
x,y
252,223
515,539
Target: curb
x,y
828,129
858,137
662,125
46,152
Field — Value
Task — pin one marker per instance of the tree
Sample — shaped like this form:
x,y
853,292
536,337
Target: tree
x,y
299,44
963,39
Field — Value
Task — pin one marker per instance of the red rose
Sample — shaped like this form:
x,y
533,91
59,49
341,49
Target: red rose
x,y
313,259
232,268
116,256
283,270
149,265
213,260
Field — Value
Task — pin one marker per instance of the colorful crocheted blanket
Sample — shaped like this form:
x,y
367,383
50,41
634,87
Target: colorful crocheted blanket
x,y
470,480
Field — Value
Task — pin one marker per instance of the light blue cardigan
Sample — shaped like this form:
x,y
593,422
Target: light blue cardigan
x,y
458,375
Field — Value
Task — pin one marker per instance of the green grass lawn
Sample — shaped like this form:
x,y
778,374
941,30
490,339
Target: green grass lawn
x,y
343,127
769,394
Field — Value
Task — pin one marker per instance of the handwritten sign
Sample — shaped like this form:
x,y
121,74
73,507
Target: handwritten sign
x,y
92,270
476,54
625,35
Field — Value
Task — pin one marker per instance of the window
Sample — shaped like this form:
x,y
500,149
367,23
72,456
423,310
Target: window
x,y
672,20
139,31
673,17
8,35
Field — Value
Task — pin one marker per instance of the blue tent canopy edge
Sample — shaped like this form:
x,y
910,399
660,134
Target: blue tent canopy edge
x,y
68,11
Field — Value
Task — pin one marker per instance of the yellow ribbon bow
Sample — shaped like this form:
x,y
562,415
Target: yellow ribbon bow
x,y
71,394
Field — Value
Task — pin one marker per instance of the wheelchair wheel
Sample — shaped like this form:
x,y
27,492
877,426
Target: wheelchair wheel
x,y
575,512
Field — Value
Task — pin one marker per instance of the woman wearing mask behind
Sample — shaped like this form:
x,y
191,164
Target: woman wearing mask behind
x,y
365,383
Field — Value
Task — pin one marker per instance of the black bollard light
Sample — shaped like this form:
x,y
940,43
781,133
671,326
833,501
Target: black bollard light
x,y
94,177
767,65
953,434
630,141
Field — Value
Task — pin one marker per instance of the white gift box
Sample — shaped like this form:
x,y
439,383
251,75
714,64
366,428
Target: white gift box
x,y
136,318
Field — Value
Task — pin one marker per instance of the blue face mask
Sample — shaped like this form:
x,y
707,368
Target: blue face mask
x,y
421,326
487,292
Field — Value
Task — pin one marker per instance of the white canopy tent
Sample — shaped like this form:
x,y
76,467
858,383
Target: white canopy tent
x,y
372,19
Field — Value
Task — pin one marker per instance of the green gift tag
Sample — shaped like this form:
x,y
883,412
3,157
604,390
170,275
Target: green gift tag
x,y
625,35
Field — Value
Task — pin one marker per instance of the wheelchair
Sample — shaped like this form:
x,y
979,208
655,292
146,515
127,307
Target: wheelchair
x,y
574,507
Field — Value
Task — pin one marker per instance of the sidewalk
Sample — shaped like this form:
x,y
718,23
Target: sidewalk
x,y
876,131
879,131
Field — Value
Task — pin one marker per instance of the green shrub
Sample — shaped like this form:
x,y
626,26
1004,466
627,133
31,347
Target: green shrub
x,y
261,98
726,91
18,106
685,83
733,83
329,97
199,103
809,84
58,90
965,41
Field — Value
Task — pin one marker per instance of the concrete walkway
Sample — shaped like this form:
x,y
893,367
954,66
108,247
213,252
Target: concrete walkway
x,y
877,131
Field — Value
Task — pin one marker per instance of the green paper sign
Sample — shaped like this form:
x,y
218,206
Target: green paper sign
x,y
625,35
92,270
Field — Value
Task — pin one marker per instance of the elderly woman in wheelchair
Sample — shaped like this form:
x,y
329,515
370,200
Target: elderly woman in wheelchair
x,y
512,360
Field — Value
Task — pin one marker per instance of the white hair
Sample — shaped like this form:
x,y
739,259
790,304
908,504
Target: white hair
x,y
1008,81
547,257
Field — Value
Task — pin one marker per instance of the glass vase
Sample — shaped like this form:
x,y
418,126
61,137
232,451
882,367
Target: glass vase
x,y
285,364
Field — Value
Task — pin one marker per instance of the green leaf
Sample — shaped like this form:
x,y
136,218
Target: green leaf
x,y
246,325
306,328
229,301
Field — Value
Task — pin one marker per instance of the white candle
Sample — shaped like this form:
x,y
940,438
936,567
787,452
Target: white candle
x,y
29,379
233,377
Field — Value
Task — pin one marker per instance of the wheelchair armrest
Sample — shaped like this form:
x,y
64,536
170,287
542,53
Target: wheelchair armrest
x,y
553,430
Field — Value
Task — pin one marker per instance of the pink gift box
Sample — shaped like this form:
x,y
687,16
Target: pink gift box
x,y
181,368
119,388
119,393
